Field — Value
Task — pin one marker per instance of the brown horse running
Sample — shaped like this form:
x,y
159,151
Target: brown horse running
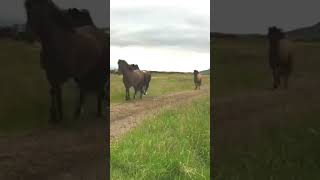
x,y
280,56
197,78
131,78
147,77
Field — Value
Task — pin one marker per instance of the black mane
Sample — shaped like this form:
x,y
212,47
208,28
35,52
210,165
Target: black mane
x,y
68,19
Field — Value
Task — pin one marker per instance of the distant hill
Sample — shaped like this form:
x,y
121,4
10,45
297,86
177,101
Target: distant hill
x,y
309,33
306,33
234,36
205,72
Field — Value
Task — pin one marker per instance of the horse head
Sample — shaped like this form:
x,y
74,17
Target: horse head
x,y
275,34
122,65
42,13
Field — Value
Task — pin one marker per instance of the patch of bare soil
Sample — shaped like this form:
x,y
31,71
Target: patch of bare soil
x,y
78,153
52,152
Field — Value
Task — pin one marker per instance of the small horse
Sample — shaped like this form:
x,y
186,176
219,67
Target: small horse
x,y
280,56
197,78
131,78
82,55
147,77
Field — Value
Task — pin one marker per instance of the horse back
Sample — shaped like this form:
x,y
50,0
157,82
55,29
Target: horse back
x,y
85,52
285,51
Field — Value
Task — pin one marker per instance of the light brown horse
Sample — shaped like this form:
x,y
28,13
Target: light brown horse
x,y
131,78
197,78
82,55
147,77
280,56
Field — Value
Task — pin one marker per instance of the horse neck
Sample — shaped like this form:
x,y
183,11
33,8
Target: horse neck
x,y
274,47
53,37
127,72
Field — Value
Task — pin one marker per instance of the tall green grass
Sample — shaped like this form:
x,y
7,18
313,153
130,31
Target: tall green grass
x,y
172,145
288,152
24,92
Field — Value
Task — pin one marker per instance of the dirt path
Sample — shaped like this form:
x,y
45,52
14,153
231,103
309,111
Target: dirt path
x,y
128,115
78,153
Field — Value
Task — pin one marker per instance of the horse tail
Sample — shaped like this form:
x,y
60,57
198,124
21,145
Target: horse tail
x,y
290,63
148,74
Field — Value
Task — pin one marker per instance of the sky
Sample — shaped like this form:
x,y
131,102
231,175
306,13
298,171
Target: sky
x,y
255,16
161,35
12,11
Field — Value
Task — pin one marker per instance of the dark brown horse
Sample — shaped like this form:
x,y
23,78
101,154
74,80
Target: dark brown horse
x,y
147,77
82,55
280,56
197,78
131,78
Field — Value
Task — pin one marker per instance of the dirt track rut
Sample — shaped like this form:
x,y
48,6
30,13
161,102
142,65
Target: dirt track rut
x,y
124,117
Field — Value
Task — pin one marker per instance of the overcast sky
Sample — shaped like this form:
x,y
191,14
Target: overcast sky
x,y
161,35
255,16
12,11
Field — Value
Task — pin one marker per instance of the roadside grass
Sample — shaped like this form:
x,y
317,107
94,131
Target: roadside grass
x,y
239,66
291,152
160,84
172,145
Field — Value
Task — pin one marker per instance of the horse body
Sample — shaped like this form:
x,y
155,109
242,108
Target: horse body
x,y
68,53
131,78
147,77
197,78
280,56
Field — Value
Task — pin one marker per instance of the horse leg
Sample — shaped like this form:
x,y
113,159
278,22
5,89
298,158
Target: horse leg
x,y
53,110
59,103
276,80
141,92
146,89
286,78
99,104
80,104
127,94
135,92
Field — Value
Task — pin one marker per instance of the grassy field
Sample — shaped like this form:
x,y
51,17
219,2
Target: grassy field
x,y
160,84
286,145
172,145
24,91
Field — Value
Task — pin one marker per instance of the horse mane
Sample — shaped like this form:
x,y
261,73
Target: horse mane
x,y
275,32
134,67
123,61
79,17
66,19
60,17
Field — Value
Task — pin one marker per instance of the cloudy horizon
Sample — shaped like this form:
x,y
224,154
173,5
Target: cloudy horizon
x,y
161,36
249,16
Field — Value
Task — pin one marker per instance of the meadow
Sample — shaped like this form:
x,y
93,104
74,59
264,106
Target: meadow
x,y
172,145
262,133
160,84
